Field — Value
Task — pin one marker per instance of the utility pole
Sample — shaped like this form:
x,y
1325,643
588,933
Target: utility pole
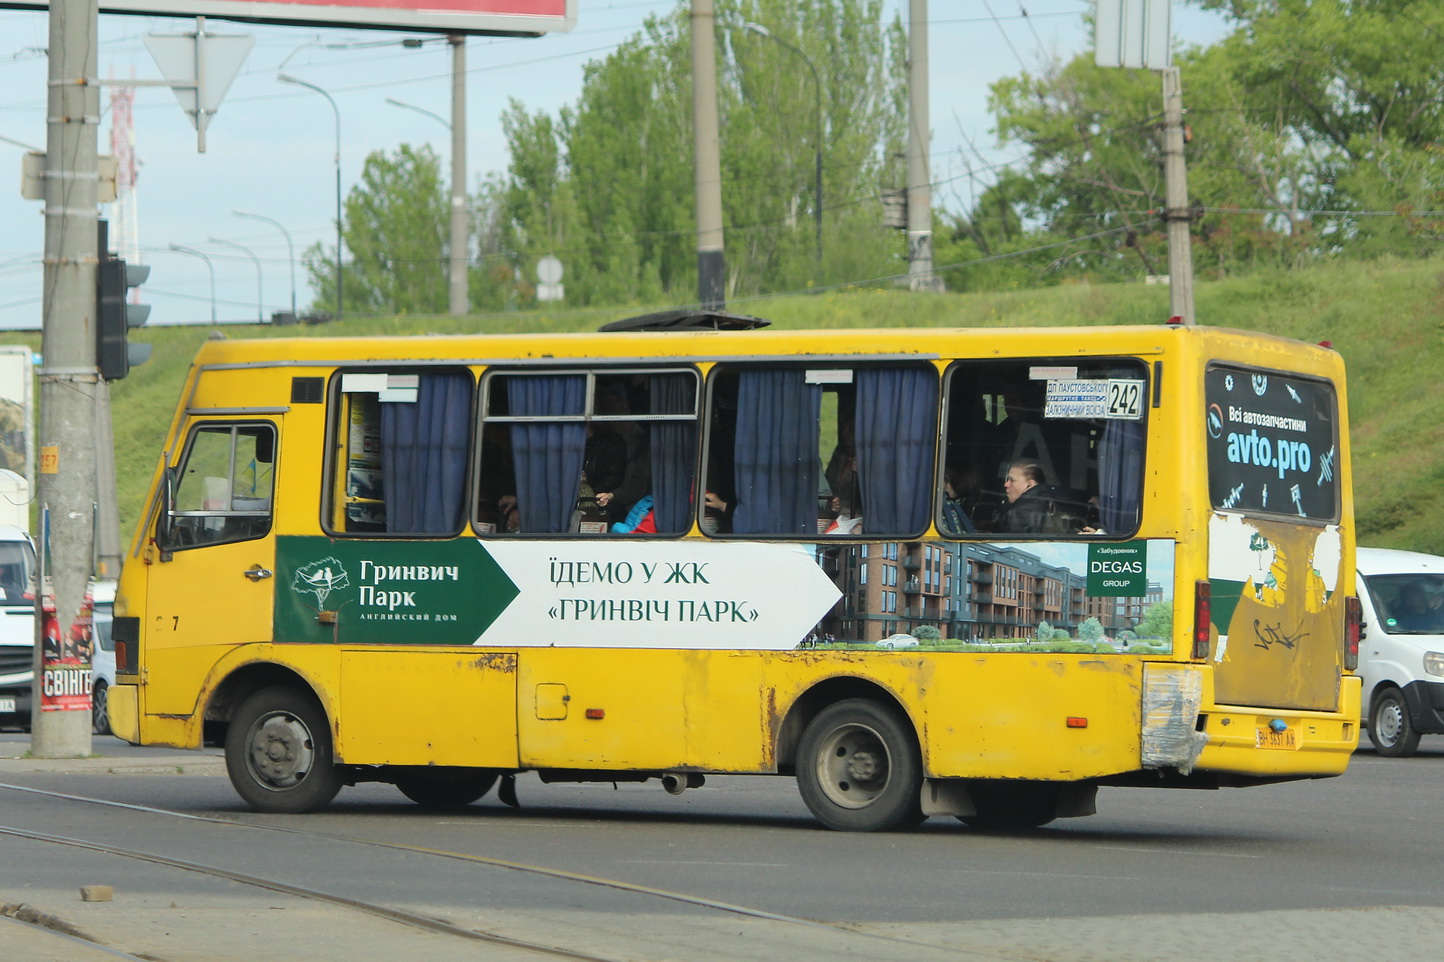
x,y
711,262
459,247
920,195
69,379
1177,214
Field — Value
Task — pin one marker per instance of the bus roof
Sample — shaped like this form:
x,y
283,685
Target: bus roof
x,y
706,345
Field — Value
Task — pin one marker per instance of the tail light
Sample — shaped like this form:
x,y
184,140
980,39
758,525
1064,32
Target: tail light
x,y
125,633
1202,610
1353,631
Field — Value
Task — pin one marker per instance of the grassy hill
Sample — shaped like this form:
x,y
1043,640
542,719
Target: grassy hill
x,y
1386,318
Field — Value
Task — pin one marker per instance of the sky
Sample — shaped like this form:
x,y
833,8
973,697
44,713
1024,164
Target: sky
x,y
271,147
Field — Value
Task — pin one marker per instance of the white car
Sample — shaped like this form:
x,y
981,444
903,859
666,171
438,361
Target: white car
x,y
1401,654
17,626
102,656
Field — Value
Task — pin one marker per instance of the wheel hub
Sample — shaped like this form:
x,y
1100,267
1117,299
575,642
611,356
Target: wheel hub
x,y
281,752
863,766
853,769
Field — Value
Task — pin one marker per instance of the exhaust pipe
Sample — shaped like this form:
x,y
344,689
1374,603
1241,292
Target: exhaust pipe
x,y
676,783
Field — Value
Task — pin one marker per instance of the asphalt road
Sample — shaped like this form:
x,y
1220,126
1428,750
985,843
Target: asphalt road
x,y
1337,869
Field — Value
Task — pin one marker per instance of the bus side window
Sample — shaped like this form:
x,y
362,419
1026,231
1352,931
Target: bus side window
x,y
587,453
1045,452
225,486
798,452
406,447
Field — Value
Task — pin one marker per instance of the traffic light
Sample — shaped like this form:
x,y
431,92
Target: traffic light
x,y
114,354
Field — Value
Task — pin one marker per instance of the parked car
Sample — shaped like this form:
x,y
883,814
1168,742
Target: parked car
x,y
17,626
1401,654
102,656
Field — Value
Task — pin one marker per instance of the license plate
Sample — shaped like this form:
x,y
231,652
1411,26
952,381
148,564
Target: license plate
x,y
7,705
1288,739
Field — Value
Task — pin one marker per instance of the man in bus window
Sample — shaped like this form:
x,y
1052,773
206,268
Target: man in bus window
x,y
1026,488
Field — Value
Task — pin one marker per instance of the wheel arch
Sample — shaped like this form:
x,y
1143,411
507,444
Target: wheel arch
x,y
816,698
245,681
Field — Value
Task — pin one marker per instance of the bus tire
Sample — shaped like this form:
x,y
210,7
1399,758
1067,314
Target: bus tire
x,y
446,789
1390,728
99,719
859,768
279,754
1006,806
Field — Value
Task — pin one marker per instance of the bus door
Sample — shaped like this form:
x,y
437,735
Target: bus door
x,y
213,581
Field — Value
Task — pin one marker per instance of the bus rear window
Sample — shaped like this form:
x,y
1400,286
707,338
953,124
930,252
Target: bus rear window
x,y
1272,443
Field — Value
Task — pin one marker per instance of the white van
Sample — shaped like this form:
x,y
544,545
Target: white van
x,y
1401,654
17,625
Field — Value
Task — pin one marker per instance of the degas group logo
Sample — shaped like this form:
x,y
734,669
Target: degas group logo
x,y
320,578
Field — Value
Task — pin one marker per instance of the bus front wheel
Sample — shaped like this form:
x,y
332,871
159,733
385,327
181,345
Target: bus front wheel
x,y
1390,728
859,768
279,755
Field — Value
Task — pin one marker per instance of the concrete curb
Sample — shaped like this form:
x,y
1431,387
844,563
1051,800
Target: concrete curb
x,y
166,762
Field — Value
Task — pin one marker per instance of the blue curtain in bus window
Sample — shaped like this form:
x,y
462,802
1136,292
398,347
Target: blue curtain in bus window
x,y
674,451
424,446
548,457
895,430
776,465
1120,469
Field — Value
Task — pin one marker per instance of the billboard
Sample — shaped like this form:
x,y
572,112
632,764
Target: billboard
x,y
526,17
17,411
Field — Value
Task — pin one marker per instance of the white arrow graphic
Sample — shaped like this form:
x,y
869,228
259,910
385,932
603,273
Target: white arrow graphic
x,y
630,594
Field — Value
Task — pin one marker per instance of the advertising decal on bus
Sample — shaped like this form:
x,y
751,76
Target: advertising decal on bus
x,y
580,594
1271,452
739,595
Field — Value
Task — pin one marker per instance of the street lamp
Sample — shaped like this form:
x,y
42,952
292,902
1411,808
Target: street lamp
x,y
209,266
286,78
457,298
260,300
762,31
457,287
290,248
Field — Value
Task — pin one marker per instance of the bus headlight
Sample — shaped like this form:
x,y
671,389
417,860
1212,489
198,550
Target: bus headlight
x,y
1434,662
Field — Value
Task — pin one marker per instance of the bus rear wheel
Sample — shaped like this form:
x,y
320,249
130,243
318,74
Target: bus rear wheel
x,y
1390,728
859,768
279,754
446,789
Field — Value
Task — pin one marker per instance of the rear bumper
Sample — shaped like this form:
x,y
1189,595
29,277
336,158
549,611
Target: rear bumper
x,y
1321,742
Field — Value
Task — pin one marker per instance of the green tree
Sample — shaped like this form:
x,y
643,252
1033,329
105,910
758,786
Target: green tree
x,y
1157,621
607,185
395,232
1091,630
1314,133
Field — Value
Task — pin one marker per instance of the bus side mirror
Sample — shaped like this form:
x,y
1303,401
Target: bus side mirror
x,y
165,524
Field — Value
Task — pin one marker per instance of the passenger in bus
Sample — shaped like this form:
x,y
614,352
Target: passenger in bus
x,y
604,467
636,480
841,471
958,491
1028,507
